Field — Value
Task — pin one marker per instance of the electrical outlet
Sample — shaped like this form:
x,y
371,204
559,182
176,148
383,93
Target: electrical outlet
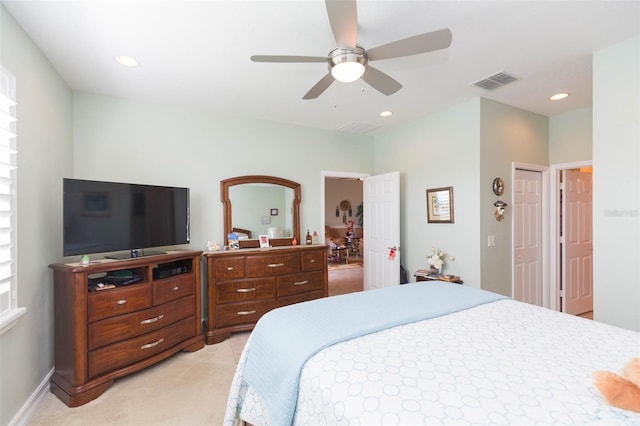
x,y
491,241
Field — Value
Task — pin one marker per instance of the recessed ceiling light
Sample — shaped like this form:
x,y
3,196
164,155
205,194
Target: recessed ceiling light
x,y
386,114
558,96
127,61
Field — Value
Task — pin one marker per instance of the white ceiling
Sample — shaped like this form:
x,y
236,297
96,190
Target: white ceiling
x,y
197,53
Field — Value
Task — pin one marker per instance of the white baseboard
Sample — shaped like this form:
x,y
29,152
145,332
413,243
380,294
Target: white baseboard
x,y
30,406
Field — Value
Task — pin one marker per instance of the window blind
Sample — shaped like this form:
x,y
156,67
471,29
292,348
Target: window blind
x,y
8,282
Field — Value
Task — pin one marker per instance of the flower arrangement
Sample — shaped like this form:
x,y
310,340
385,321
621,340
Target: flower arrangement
x,y
437,258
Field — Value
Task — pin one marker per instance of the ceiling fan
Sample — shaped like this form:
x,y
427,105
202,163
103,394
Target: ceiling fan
x,y
349,61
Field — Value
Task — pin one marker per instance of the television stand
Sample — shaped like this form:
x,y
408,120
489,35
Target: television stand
x,y
103,332
134,253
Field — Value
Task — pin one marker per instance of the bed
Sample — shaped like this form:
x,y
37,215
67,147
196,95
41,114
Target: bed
x,y
426,353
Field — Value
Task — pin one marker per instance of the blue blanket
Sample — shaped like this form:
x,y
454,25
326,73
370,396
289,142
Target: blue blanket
x,y
284,339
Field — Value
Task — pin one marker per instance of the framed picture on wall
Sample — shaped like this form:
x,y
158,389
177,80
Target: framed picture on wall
x,y
440,205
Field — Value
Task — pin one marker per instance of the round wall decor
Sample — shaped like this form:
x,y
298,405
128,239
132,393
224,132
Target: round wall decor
x,y
498,186
345,205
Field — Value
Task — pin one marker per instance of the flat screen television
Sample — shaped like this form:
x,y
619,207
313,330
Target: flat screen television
x,y
103,217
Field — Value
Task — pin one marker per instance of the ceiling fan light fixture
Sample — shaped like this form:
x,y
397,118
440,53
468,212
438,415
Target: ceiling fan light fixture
x,y
347,72
347,65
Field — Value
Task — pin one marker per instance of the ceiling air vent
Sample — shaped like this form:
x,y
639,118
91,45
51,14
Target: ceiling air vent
x,y
497,80
354,127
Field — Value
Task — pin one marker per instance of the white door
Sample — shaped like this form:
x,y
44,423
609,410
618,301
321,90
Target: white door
x,y
527,216
577,249
381,198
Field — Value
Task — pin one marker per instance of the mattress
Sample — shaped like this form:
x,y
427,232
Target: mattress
x,y
502,362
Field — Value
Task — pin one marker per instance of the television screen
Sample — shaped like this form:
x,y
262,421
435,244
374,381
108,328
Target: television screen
x,y
102,217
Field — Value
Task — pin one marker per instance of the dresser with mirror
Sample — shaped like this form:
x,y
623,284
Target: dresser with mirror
x,y
245,283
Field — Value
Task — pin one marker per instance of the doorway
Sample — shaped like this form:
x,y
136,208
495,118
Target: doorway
x,y
530,241
571,254
527,238
342,193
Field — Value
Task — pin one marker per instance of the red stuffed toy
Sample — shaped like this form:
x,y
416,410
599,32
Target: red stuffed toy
x,y
621,391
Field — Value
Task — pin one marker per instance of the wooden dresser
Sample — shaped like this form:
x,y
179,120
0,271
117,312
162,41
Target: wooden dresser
x,y
243,285
104,334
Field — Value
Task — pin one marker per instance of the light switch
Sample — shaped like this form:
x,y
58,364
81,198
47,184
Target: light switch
x,y
491,241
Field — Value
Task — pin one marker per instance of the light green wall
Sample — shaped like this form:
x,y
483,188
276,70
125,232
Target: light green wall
x,y
440,150
508,135
44,155
616,184
121,140
571,137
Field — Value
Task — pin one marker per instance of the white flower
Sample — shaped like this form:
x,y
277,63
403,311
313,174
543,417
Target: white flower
x,y
437,258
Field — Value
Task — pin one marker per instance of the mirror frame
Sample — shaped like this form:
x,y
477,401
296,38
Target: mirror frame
x,y
227,208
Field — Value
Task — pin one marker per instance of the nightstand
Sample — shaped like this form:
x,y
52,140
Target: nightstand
x,y
421,276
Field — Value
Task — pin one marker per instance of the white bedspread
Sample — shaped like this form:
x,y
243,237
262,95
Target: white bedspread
x,y
504,362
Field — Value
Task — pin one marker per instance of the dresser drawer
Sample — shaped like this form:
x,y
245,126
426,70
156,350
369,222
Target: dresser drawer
x,y
301,297
125,326
313,260
242,313
272,264
300,283
245,290
229,268
112,302
127,352
173,288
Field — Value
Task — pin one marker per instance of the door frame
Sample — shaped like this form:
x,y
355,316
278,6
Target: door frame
x,y
323,175
547,300
554,225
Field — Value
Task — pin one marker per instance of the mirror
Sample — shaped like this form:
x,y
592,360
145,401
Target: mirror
x,y
261,205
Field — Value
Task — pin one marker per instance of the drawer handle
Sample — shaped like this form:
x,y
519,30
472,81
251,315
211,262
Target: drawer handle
x,y
246,312
151,320
312,261
275,265
176,288
121,302
230,268
301,282
152,344
246,290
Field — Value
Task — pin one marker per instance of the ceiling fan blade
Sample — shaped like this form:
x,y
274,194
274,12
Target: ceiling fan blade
x,y
343,17
281,58
381,81
422,43
319,87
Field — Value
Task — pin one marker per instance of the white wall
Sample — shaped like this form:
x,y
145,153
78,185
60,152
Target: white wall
x,y
122,140
616,184
571,136
44,156
440,150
